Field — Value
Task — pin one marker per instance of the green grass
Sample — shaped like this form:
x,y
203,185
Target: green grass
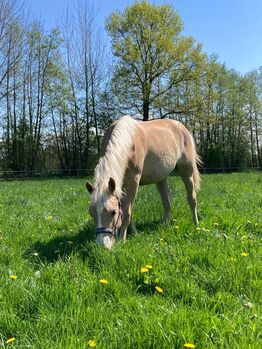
x,y
212,294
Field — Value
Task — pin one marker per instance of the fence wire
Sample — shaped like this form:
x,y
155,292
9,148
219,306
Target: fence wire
x,y
87,172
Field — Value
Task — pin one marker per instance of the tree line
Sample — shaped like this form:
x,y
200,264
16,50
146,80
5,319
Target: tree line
x,y
61,88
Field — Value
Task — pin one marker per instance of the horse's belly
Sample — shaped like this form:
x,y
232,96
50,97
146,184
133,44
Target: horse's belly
x,y
156,167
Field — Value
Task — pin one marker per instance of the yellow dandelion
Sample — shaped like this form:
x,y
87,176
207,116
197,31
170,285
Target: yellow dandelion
x,y
10,340
91,343
159,289
189,345
103,281
244,254
144,270
162,242
198,229
148,266
13,277
49,218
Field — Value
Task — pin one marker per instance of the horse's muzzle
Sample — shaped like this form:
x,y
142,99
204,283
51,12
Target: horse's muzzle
x,y
105,237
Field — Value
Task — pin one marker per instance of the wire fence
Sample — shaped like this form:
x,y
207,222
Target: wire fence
x,y
87,172
45,174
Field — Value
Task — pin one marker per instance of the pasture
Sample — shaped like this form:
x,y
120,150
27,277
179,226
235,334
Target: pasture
x,y
51,294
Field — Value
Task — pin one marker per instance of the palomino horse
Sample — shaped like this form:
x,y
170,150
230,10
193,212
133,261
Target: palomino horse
x,y
133,153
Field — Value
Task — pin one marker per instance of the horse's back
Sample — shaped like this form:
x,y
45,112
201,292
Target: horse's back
x,y
156,148
167,142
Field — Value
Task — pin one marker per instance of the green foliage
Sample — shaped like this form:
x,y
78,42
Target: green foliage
x,y
211,292
153,56
57,96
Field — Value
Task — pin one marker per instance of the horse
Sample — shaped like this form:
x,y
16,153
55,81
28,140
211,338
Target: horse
x,y
137,153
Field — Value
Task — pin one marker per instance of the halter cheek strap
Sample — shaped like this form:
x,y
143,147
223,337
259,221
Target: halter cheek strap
x,y
111,231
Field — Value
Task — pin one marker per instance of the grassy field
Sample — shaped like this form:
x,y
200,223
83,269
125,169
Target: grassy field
x,y
50,269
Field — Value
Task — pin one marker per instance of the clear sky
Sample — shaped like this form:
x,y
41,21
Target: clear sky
x,y
232,29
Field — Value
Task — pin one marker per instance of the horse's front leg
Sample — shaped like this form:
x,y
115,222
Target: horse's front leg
x,y
130,194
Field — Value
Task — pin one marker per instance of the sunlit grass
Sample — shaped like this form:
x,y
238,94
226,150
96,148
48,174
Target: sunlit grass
x,y
168,286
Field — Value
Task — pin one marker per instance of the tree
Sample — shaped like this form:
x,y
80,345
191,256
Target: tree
x,y
84,60
152,55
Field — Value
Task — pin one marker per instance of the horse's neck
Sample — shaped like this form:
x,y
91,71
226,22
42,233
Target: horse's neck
x,y
117,151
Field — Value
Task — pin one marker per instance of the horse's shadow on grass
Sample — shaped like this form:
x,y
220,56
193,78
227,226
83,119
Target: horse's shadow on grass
x,y
63,246
81,244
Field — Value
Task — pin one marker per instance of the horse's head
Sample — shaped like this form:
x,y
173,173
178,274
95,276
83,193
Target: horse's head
x,y
105,209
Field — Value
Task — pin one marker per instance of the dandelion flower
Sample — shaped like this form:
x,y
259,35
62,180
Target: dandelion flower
x,y
159,289
148,266
103,281
10,340
162,242
144,270
91,343
198,229
13,277
244,254
189,345
49,218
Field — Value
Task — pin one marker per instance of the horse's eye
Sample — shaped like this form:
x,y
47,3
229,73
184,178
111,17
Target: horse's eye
x,y
113,212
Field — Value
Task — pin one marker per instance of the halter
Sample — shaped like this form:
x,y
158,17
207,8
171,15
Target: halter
x,y
111,231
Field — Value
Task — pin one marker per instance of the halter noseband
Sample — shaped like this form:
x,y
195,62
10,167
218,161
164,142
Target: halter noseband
x,y
111,231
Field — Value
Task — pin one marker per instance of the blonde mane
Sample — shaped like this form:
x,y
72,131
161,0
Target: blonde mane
x,y
114,162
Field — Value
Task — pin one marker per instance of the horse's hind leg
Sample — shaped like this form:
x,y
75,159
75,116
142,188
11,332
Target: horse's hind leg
x,y
164,192
131,228
186,172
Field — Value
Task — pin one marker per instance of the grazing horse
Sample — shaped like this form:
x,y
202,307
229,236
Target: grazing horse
x,y
133,153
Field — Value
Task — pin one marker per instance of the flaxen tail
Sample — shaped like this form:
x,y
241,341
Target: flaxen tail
x,y
197,161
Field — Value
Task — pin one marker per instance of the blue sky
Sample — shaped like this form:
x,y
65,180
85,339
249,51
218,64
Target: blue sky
x,y
232,29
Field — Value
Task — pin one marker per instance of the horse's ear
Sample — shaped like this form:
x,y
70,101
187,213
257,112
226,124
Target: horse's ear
x,y
111,185
89,187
